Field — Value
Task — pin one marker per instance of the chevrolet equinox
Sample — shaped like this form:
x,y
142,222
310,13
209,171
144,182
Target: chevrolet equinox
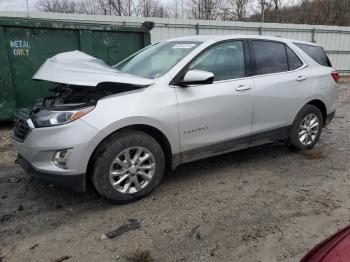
x,y
119,127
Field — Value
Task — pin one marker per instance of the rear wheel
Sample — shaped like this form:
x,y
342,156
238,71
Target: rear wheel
x,y
129,165
306,128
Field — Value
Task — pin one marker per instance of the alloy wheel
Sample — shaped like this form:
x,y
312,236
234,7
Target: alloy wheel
x,y
309,129
132,170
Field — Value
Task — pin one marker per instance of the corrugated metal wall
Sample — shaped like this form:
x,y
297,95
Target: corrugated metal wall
x,y
334,39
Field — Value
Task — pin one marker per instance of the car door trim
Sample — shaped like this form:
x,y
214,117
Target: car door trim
x,y
280,73
215,149
236,144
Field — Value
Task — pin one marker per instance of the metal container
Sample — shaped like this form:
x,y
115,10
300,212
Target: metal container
x,y
26,43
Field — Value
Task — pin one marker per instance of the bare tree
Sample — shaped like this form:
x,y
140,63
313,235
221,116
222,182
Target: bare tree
x,y
106,7
241,9
204,9
176,8
151,8
234,10
90,7
62,6
330,12
277,4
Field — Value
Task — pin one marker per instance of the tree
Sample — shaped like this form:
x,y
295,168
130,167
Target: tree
x,y
235,10
105,7
329,12
62,6
241,9
204,9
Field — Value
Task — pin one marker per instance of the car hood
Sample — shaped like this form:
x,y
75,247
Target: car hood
x,y
78,68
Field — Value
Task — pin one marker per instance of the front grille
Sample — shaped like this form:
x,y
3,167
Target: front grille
x,y
21,127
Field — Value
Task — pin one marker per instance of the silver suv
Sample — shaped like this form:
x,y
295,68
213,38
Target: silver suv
x,y
118,128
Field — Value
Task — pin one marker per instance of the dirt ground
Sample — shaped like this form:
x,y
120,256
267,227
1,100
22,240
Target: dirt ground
x,y
262,204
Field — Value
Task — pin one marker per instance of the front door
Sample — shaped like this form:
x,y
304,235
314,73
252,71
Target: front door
x,y
215,118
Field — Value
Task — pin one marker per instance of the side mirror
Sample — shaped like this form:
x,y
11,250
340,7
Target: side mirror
x,y
197,77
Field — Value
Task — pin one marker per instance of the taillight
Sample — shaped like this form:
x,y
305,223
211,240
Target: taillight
x,y
335,76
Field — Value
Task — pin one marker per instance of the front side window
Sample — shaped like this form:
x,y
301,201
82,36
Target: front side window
x,y
225,61
270,57
157,59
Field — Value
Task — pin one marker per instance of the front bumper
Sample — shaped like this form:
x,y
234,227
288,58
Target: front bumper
x,y
74,182
36,152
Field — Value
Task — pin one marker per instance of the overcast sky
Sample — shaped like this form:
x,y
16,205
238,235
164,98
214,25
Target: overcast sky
x,y
17,5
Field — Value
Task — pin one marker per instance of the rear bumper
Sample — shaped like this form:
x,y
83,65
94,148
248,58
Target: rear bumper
x,y
76,182
329,118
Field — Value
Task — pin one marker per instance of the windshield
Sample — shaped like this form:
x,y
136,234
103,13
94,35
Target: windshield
x,y
157,59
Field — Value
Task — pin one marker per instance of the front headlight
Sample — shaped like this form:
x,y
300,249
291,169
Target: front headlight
x,y
45,117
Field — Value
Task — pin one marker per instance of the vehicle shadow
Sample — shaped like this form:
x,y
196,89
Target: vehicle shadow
x,y
212,165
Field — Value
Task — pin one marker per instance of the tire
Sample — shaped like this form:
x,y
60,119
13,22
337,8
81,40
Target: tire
x,y
296,137
122,144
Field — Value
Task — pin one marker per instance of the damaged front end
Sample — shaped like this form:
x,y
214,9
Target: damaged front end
x,y
81,81
67,105
72,102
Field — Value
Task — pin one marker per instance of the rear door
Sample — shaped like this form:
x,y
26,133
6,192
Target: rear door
x,y
214,118
282,82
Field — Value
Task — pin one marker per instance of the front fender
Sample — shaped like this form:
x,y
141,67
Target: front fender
x,y
135,120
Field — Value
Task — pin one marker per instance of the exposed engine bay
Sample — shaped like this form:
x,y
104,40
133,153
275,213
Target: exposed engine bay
x,y
73,96
81,80
71,102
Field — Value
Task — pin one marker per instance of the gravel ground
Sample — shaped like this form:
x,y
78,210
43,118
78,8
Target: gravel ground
x,y
262,204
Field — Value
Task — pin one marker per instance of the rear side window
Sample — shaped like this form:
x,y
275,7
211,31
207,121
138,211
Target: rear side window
x,y
293,60
270,57
316,53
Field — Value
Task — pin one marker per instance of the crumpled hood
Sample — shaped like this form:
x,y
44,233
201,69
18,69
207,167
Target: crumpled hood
x,y
78,68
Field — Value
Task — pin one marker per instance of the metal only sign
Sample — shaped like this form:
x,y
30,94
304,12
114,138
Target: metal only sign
x,y
20,47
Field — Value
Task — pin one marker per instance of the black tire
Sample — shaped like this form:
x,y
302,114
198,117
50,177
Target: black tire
x,y
294,135
107,152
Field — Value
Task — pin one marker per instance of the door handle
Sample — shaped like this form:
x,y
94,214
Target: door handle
x,y
301,78
243,88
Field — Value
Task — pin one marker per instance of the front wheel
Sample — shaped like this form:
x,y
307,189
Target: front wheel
x,y
129,165
306,128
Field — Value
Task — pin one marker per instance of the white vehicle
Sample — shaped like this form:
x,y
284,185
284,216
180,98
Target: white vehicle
x,y
173,102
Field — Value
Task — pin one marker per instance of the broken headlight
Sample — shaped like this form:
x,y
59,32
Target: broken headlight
x,y
45,117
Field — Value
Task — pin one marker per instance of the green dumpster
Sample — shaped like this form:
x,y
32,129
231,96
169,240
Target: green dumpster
x,y
26,43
